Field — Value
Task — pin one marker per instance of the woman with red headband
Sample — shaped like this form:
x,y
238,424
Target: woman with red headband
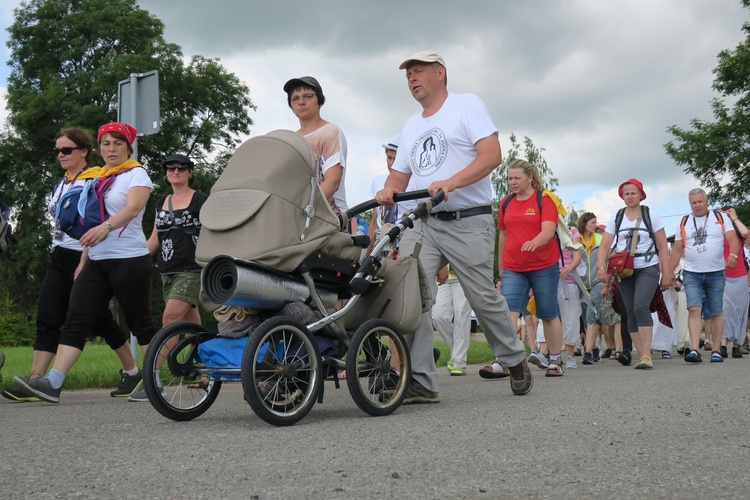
x,y
651,253
117,262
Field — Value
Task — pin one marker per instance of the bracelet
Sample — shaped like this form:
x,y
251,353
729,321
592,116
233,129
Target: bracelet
x,y
733,255
601,267
736,220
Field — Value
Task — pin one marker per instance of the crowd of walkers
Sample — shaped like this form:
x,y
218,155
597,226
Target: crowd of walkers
x,y
558,279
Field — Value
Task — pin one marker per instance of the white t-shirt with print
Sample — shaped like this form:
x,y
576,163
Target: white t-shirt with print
x,y
128,242
439,146
704,245
644,243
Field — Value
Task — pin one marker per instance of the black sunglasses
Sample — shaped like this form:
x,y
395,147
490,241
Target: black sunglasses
x,y
65,151
171,168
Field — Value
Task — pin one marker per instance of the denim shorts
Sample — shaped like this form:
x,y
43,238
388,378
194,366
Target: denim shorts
x,y
711,284
543,282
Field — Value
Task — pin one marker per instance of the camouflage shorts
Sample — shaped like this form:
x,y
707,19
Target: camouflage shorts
x,y
606,313
182,286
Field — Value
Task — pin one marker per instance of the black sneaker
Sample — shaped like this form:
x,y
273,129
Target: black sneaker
x,y
128,385
736,352
419,394
588,359
18,396
39,387
723,351
521,380
595,355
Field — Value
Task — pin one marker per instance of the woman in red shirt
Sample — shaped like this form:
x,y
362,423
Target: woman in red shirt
x,y
528,257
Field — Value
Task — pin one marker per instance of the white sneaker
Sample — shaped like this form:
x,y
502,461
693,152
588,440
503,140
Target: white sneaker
x,y
536,358
571,362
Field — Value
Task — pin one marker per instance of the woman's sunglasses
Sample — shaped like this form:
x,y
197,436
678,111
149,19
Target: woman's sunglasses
x,y
172,168
65,151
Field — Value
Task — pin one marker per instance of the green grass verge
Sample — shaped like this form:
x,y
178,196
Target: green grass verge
x,y
97,367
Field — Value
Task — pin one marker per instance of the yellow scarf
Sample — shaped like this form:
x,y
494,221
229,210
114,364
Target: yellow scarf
x,y
88,173
589,245
127,164
560,209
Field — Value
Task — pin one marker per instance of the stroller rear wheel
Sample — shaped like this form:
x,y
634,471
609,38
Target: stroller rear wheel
x,y
377,367
174,377
281,371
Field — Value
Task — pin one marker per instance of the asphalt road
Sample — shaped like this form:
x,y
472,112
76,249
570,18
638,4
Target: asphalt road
x,y
601,431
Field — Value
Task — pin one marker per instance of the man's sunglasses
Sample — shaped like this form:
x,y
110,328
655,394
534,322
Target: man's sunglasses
x,y
172,168
65,151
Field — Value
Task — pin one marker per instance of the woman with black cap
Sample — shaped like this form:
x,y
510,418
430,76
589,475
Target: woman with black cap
x,y
305,97
174,237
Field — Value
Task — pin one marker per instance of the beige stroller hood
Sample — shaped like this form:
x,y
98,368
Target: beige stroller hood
x,y
267,207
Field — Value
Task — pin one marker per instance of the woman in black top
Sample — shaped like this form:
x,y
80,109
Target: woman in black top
x,y
174,237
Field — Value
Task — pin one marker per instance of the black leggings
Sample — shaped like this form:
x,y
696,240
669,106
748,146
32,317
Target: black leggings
x,y
53,305
128,280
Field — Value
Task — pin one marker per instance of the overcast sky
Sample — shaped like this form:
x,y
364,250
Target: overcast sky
x,y
595,83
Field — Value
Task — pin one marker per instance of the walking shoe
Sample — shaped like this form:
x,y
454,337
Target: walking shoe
x,y
128,384
19,396
716,357
39,387
449,366
493,370
706,345
571,362
693,356
436,354
419,394
645,363
554,369
666,355
595,354
736,352
607,353
521,380
140,395
536,358
745,349
723,351
624,358
457,372
588,359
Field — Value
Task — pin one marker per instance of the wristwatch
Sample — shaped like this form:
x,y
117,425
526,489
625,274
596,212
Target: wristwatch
x,y
109,226
601,267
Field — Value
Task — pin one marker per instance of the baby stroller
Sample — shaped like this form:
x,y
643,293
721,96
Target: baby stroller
x,y
270,238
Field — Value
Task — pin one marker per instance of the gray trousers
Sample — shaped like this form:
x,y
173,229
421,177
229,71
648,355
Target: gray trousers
x,y
468,245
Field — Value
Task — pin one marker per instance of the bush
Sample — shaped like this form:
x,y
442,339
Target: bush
x,y
15,328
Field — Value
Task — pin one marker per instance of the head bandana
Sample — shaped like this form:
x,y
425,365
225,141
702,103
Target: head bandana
x,y
126,130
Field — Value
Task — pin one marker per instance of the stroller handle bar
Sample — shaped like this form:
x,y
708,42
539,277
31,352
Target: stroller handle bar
x,y
397,198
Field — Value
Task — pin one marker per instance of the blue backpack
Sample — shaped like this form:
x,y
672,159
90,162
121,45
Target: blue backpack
x,y
82,208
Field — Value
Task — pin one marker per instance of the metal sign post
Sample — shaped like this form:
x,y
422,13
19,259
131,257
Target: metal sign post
x,y
138,105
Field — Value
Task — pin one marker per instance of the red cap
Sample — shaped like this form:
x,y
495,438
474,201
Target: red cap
x,y
634,182
128,131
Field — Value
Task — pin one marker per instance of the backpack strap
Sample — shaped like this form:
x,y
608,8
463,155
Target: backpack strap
x,y
652,250
683,234
721,221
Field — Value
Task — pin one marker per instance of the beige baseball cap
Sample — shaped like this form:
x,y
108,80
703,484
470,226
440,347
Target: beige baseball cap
x,y
428,56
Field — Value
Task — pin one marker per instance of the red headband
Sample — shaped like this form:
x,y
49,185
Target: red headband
x,y
126,130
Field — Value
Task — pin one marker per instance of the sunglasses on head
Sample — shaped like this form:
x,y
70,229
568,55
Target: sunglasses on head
x,y
172,168
65,151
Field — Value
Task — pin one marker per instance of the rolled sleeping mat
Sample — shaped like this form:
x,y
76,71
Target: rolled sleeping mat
x,y
232,282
